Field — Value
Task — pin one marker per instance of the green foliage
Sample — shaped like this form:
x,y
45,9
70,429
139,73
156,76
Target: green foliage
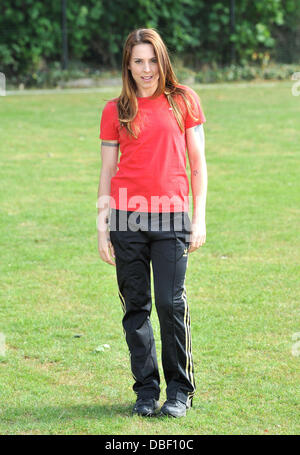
x,y
244,73
195,30
29,30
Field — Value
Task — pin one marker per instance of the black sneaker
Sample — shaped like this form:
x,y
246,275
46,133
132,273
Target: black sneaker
x,y
145,407
175,408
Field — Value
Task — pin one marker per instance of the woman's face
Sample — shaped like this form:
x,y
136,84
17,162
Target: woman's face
x,y
144,69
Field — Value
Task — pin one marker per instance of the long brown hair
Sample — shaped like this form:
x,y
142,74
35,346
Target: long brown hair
x,y
127,103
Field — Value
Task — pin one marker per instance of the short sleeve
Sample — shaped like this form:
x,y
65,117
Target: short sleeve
x,y
196,110
109,122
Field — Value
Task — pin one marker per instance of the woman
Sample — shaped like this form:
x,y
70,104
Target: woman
x,y
143,214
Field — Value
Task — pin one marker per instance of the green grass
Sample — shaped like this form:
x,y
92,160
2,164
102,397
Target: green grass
x,y
242,285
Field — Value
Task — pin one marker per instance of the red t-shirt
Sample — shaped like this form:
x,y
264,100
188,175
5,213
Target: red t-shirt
x,y
151,175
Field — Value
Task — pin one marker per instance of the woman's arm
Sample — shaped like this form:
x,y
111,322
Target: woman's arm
x,y
195,141
109,156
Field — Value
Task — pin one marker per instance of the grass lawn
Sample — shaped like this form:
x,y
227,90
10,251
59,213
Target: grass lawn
x,y
59,301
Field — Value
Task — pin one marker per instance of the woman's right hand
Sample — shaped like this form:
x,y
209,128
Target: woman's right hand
x,y
105,247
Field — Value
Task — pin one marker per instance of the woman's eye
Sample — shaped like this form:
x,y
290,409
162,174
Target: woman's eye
x,y
138,61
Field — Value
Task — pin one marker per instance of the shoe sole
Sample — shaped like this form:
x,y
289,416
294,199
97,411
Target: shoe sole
x,y
167,414
144,415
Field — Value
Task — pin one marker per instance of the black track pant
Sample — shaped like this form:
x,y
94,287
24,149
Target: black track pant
x,y
139,238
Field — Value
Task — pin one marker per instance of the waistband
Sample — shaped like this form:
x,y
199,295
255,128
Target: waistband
x,y
124,220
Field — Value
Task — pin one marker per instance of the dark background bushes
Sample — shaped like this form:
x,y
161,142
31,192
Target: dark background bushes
x,y
198,35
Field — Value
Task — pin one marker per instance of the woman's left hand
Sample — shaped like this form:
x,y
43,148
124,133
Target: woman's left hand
x,y
198,235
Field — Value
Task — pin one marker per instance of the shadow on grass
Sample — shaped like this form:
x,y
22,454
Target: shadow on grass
x,y
49,414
